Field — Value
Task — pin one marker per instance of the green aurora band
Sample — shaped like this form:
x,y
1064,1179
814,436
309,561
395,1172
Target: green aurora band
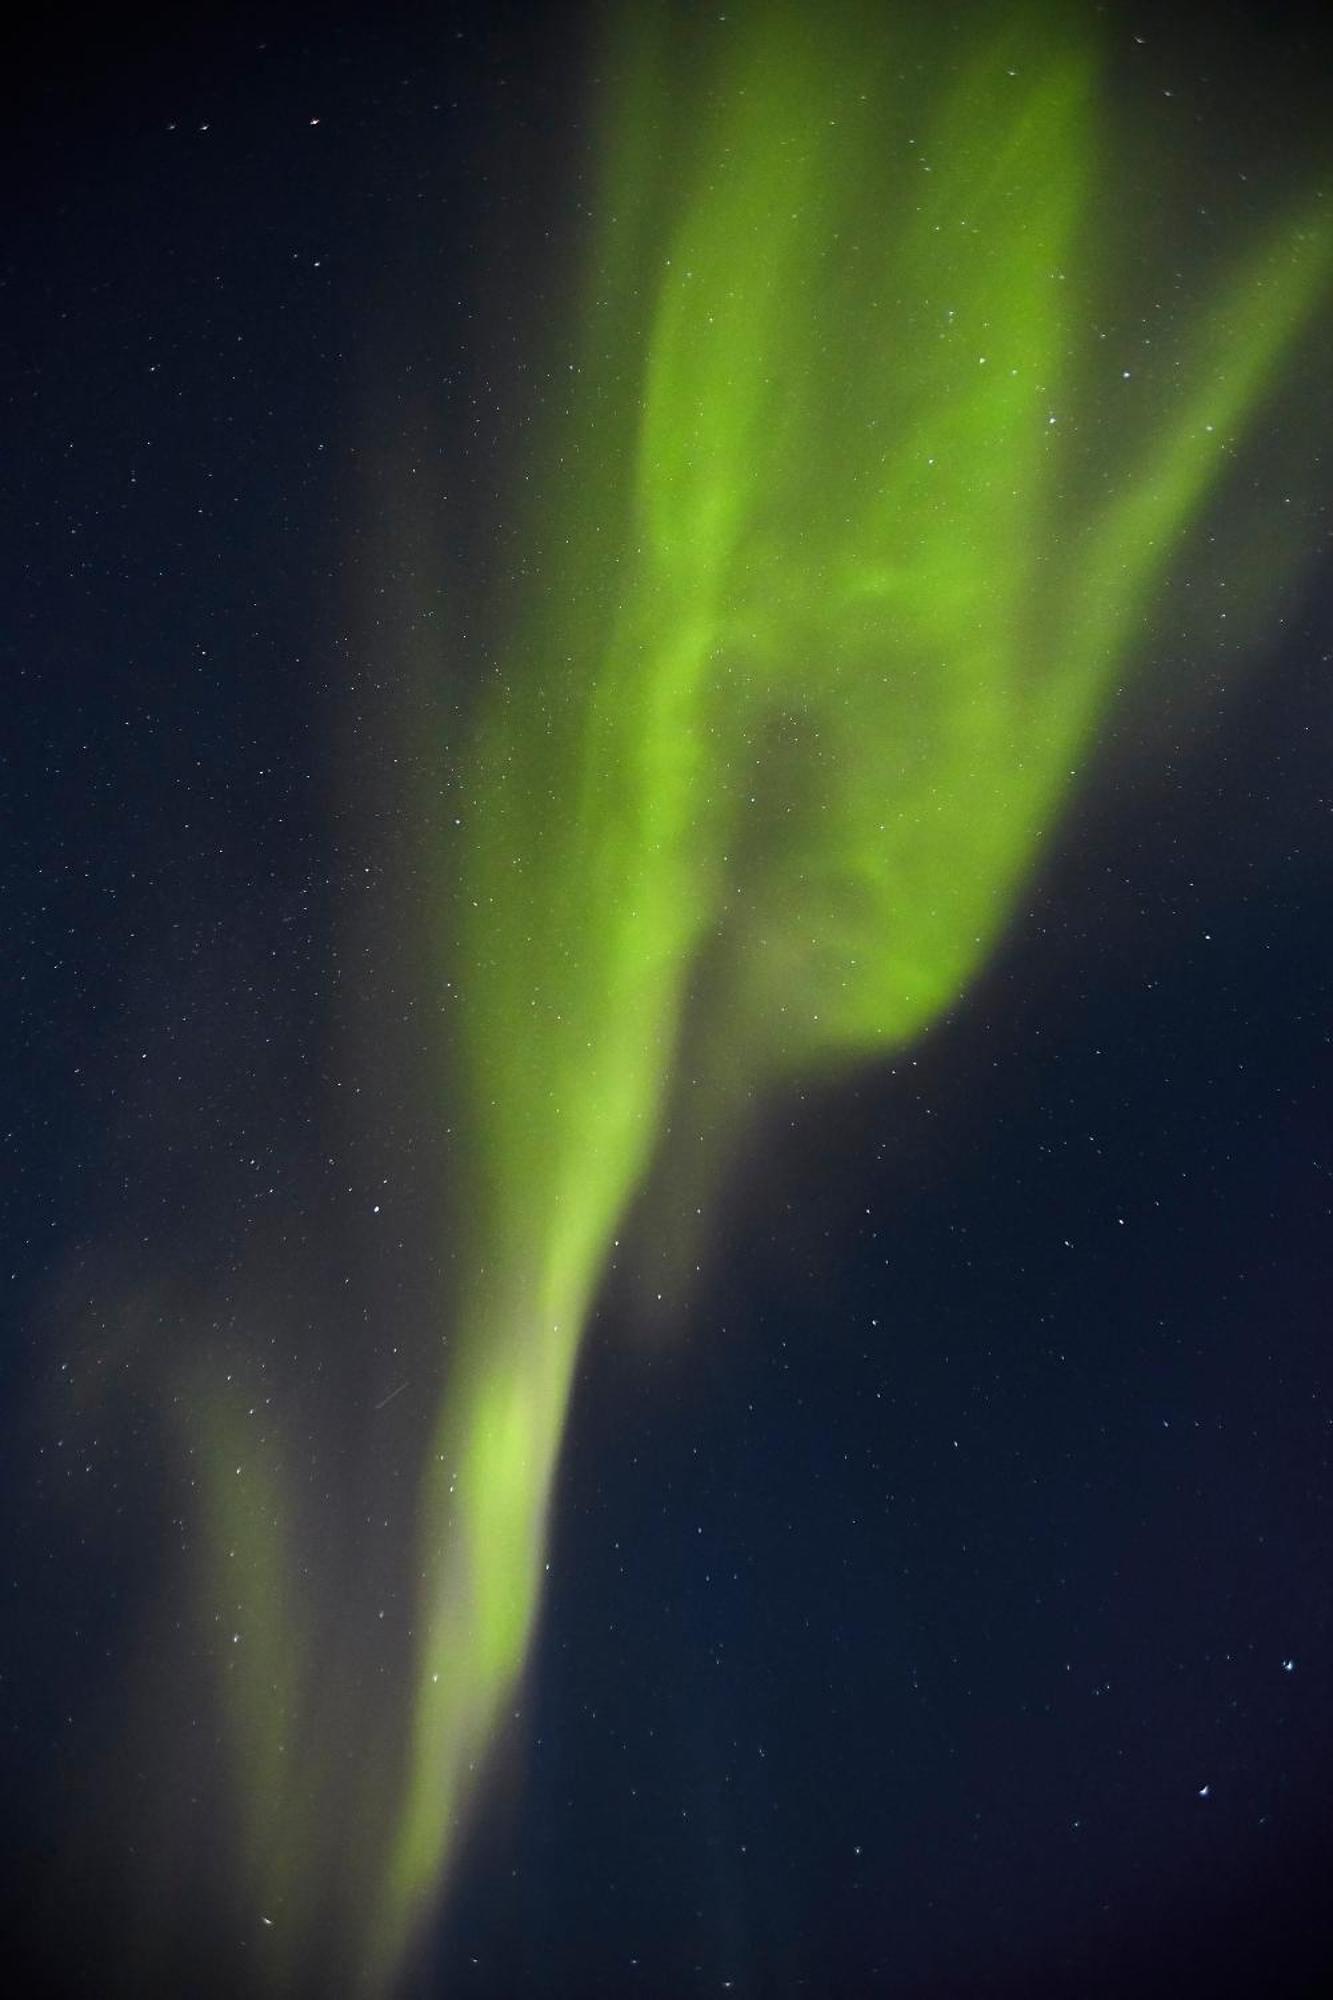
x,y
850,529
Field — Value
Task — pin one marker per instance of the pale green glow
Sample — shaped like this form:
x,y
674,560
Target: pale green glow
x,y
826,603
245,1580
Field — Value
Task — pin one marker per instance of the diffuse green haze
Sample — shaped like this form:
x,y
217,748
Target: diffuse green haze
x,y
831,582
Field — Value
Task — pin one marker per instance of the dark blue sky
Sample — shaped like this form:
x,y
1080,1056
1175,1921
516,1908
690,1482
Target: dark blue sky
x,y
947,1611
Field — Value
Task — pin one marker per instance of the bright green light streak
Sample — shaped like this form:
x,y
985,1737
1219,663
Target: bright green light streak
x,y
812,490
827,607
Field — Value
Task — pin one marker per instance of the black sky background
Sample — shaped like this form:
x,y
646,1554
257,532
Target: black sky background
x,y
947,1610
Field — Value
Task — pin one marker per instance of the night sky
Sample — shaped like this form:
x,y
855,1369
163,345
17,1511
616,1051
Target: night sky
x,y
930,1594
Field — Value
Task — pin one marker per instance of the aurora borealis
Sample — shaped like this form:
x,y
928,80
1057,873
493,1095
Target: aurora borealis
x,y
834,548
886,452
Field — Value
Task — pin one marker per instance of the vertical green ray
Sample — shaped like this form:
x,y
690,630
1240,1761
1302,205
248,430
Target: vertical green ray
x,y
812,490
828,589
